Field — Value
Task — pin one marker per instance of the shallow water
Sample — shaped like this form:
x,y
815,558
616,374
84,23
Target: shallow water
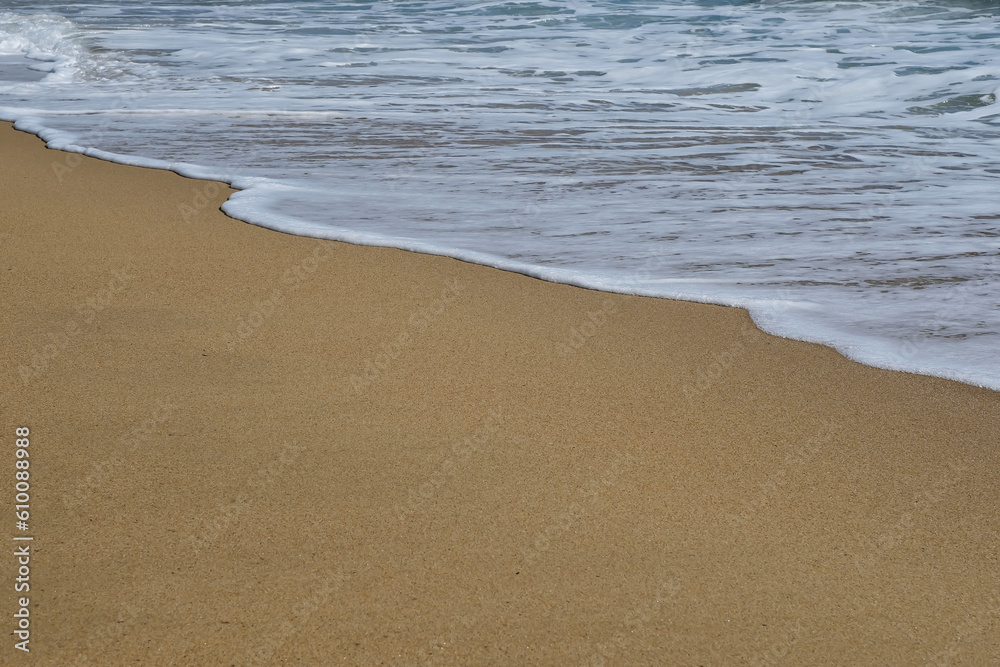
x,y
830,166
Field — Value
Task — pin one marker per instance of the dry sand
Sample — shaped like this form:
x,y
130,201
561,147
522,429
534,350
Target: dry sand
x,y
254,448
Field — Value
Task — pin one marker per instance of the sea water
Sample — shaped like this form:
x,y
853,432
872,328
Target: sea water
x,y
833,167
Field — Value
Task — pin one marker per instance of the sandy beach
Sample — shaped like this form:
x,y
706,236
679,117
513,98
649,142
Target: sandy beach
x,y
253,448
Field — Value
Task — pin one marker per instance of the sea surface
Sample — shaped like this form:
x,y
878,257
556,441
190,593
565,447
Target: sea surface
x,y
834,167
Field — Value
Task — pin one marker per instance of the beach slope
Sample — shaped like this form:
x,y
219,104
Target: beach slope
x,y
253,448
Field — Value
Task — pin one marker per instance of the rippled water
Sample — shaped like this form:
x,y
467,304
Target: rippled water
x,y
832,166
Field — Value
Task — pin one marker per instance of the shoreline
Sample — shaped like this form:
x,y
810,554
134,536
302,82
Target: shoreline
x,y
251,446
851,346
